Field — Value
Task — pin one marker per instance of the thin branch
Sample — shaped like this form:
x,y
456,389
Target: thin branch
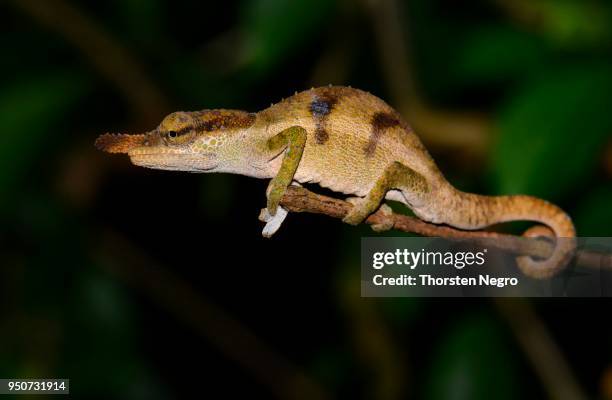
x,y
298,199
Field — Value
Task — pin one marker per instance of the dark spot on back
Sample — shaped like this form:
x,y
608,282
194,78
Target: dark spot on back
x,y
320,107
380,122
321,135
383,120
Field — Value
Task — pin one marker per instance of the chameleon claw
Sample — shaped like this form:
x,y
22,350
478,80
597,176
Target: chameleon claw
x,y
273,223
354,216
387,225
353,219
264,215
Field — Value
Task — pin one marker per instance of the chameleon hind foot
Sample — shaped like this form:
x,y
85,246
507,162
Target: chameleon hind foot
x,y
395,176
352,217
388,224
385,209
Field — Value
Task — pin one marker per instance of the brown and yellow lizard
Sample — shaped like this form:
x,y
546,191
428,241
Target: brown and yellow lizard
x,y
343,139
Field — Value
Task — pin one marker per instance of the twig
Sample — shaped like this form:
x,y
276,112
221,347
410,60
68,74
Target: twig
x,y
298,199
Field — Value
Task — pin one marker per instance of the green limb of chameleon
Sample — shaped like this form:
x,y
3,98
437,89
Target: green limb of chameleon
x,y
395,176
293,140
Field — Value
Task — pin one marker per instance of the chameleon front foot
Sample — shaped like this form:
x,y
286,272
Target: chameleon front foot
x,y
293,140
273,222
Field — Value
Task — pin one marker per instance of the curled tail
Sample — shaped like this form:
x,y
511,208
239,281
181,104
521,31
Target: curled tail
x,y
481,211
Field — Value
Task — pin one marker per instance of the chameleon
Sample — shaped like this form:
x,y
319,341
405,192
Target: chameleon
x,y
346,140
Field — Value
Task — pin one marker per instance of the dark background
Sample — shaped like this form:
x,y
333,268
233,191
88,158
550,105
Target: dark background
x,y
146,284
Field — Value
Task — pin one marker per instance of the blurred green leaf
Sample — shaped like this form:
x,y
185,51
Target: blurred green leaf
x,y
276,28
593,216
28,111
567,22
552,130
473,362
495,54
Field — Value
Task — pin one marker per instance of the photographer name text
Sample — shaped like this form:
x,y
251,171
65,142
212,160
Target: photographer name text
x,y
417,259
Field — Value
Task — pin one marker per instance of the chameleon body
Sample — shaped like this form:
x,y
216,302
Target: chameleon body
x,y
344,139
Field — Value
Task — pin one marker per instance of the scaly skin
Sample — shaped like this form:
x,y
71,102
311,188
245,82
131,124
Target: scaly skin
x,y
346,140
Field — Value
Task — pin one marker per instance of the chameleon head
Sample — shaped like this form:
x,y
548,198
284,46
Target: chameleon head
x,y
184,141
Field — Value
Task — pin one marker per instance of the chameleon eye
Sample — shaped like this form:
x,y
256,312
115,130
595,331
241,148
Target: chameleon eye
x,y
178,137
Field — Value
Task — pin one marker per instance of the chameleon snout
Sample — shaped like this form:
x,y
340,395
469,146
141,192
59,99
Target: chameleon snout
x,y
120,143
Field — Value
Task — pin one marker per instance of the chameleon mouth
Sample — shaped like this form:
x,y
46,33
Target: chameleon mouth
x,y
172,160
146,151
133,145
143,154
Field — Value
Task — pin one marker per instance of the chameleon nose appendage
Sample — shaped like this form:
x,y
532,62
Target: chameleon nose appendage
x,y
119,143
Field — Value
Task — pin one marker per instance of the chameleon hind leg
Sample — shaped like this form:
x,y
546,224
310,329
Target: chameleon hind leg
x,y
292,140
395,176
